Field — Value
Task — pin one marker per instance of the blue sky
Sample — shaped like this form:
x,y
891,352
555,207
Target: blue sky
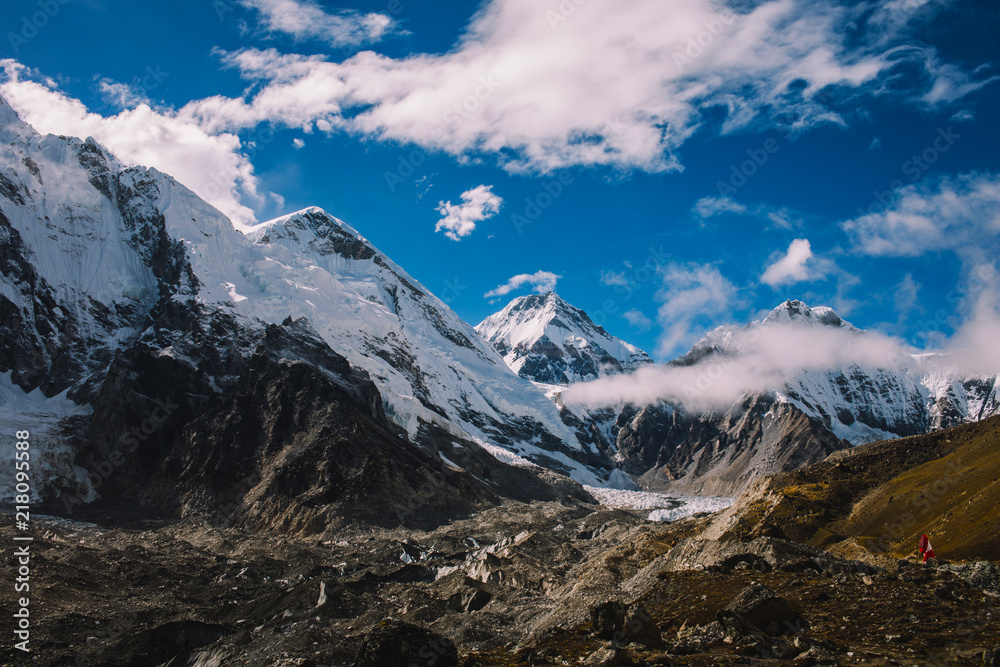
x,y
668,166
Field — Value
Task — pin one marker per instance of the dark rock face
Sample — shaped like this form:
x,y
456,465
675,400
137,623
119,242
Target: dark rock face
x,y
711,453
760,606
608,618
470,596
393,644
295,438
641,628
622,623
274,430
61,341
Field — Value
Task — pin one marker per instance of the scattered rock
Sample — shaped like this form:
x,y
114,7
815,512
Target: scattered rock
x,y
623,623
816,655
641,628
759,605
607,657
983,575
608,619
470,597
395,644
943,592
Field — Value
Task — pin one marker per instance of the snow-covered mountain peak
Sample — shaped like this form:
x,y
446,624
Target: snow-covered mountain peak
x,y
546,339
800,313
11,124
311,222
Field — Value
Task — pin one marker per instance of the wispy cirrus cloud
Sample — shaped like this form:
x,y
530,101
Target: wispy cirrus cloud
x,y
638,319
709,207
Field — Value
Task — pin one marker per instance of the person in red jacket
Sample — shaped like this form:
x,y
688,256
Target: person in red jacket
x,y
926,550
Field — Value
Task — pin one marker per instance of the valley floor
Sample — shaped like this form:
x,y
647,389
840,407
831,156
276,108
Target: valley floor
x,y
514,585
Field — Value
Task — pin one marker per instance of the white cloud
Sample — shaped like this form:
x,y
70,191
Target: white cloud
x,y
614,279
693,298
638,319
763,358
904,297
782,218
612,84
766,357
209,164
298,143
953,213
963,116
460,220
973,349
304,19
708,207
121,95
791,267
539,281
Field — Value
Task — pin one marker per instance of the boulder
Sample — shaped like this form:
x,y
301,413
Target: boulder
x,y
607,657
608,619
469,596
760,606
641,628
395,644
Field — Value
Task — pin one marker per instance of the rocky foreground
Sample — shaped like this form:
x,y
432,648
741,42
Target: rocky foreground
x,y
545,584
810,567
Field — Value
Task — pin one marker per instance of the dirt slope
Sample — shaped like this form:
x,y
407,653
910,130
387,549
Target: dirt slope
x,y
882,496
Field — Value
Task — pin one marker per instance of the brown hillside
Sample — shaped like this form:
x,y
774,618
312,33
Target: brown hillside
x,y
883,495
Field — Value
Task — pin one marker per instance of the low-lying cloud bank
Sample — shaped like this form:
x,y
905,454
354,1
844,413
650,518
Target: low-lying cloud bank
x,y
764,357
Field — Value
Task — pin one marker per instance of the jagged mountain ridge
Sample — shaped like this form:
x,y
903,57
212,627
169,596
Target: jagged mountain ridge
x,y
543,338
94,252
672,447
815,413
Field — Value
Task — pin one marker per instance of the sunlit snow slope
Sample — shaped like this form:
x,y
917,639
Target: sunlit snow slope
x,y
90,247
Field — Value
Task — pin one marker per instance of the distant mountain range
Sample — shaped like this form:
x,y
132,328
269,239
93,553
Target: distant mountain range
x,y
161,357
669,446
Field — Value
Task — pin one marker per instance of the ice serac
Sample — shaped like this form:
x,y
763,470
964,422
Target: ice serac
x,y
545,339
109,271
